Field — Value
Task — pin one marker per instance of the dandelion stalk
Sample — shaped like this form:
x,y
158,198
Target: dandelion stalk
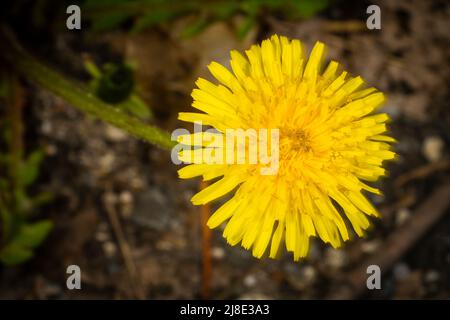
x,y
79,96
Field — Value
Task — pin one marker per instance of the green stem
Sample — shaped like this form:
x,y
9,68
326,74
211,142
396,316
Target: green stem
x,y
92,69
80,97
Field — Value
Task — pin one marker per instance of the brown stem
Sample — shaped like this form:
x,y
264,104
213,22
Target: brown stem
x,y
16,145
206,248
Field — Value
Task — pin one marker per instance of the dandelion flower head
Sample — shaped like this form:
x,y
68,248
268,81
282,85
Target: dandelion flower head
x,y
332,143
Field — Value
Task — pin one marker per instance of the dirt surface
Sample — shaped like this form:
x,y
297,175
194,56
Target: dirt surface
x,y
97,172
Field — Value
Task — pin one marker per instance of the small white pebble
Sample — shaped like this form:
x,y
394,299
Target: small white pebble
x,y
432,276
137,183
46,127
115,134
401,271
432,148
250,280
309,273
126,197
218,253
110,249
402,216
370,246
102,236
335,258
106,162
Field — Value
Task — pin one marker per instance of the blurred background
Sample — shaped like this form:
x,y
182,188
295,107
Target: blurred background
x,y
75,190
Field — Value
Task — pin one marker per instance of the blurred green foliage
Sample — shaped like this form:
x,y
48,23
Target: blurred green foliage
x,y
20,234
110,14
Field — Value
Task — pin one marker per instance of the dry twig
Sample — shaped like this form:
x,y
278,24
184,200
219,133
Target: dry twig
x,y
401,240
125,249
422,172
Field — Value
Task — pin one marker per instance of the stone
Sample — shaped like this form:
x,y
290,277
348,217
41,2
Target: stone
x,y
432,148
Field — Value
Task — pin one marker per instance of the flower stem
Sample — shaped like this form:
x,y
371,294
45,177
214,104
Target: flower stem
x,y
206,248
79,96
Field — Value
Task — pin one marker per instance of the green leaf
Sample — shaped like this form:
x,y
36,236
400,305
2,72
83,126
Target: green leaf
x,y
151,19
29,170
136,107
246,26
225,10
96,3
108,21
92,69
307,8
195,28
104,19
41,199
4,158
22,201
32,235
4,184
14,254
6,219
20,248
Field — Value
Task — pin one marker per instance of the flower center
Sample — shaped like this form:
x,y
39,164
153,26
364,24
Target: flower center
x,y
294,142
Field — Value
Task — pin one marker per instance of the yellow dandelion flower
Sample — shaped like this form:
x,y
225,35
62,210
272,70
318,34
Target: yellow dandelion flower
x,y
330,139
